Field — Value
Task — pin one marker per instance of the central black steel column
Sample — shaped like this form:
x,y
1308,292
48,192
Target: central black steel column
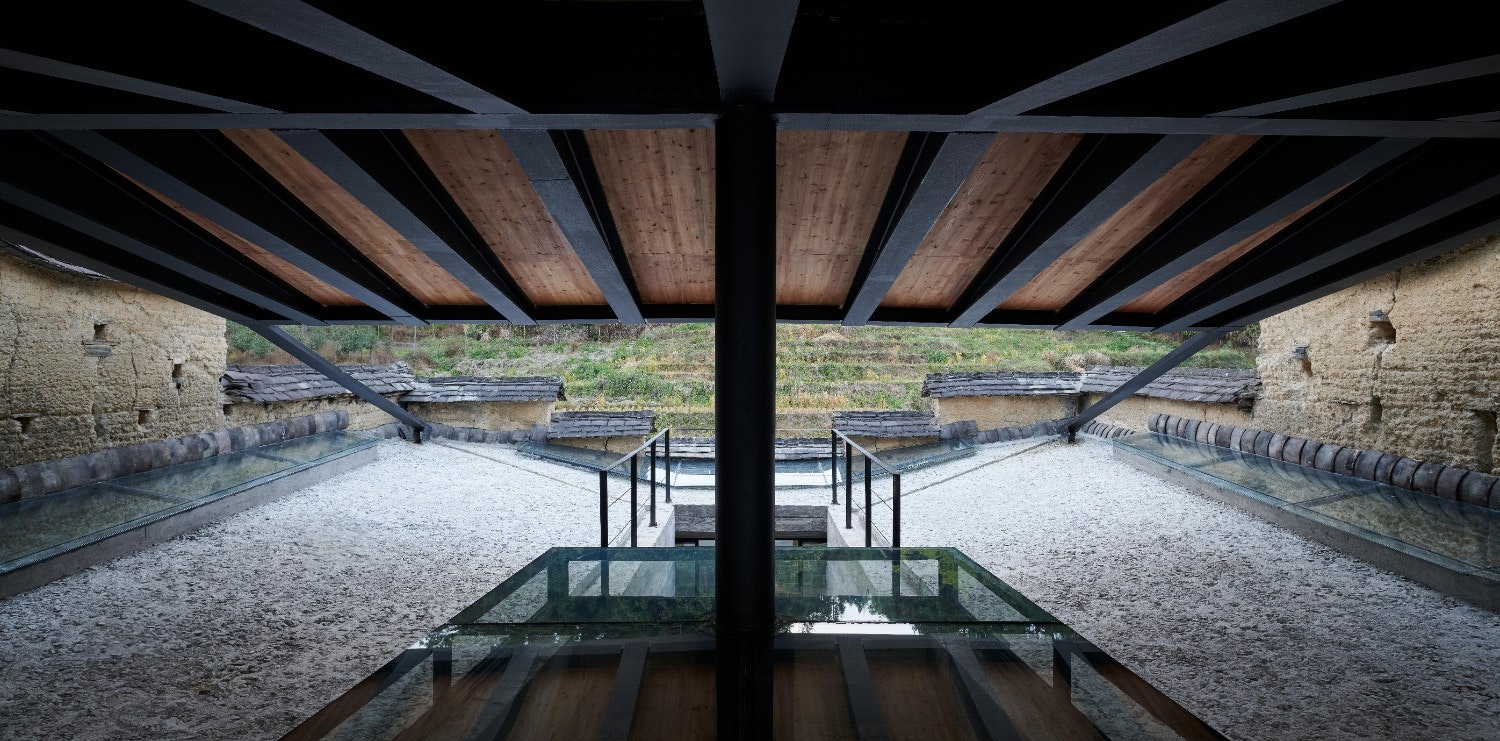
x,y
745,417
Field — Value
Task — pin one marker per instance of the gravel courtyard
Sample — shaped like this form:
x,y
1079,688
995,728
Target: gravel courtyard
x,y
244,628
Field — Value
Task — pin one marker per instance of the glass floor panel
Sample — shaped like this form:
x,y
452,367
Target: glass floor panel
x,y
191,480
873,643
1412,522
35,529
32,525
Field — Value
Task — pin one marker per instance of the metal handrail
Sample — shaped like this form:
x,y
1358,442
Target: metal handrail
x,y
870,458
634,457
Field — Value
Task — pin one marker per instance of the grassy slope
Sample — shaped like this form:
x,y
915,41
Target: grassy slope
x,y
669,368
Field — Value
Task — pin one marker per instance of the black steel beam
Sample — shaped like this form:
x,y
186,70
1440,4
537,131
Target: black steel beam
x,y
1421,78
558,168
1220,24
787,121
1096,183
1303,254
281,339
336,273
745,419
1167,362
749,42
1232,212
308,26
1474,223
334,162
64,216
941,167
77,73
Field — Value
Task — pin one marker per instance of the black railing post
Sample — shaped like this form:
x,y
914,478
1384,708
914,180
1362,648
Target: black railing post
x,y
895,510
848,487
653,484
634,479
603,508
668,437
833,464
869,519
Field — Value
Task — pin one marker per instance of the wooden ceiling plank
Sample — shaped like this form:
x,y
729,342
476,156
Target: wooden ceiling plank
x,y
830,188
659,185
1218,25
392,252
1009,176
482,176
1076,269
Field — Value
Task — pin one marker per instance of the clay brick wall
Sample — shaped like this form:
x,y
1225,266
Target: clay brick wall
x,y
94,364
1425,384
362,414
997,412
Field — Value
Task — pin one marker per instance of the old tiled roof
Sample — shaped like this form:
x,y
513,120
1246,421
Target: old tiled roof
x,y
601,424
1203,385
36,258
296,382
999,383
886,424
475,389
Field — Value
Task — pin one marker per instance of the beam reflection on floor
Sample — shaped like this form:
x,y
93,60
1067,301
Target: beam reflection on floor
x,y
617,643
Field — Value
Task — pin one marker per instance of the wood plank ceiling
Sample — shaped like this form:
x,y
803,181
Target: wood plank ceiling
x,y
1125,172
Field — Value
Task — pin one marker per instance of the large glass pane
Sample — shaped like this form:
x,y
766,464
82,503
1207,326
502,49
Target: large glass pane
x,y
203,478
34,525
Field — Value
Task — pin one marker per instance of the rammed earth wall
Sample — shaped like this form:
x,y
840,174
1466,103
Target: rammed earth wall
x,y
1424,385
94,364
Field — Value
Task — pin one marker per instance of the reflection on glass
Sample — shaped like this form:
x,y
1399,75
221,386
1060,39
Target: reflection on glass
x,y
33,525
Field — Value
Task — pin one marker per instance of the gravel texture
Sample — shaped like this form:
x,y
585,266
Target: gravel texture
x,y
244,628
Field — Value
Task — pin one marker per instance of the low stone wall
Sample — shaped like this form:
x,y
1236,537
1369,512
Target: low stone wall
x,y
1135,412
474,434
1106,430
877,444
1459,484
1000,412
621,444
47,477
362,415
493,416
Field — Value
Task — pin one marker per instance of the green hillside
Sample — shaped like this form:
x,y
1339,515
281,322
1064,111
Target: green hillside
x,y
669,367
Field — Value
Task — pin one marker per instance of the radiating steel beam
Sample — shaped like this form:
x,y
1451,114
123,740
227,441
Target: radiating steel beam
x,y
1421,78
140,169
77,73
318,149
1171,253
296,349
1220,24
1110,175
1169,361
556,169
305,25
941,169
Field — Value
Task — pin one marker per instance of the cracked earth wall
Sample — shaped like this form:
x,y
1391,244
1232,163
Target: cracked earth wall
x,y
1425,384
89,365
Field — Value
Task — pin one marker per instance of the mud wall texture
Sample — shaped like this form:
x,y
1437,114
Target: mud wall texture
x,y
998,412
1135,412
1424,383
497,416
621,444
94,364
362,414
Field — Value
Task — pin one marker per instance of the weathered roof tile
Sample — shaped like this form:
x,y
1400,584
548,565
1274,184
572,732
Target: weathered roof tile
x,y
295,382
886,424
478,389
601,424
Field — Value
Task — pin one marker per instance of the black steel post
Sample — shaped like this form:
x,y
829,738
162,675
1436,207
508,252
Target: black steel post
x,y
869,515
603,509
634,479
848,487
895,510
745,417
668,438
833,464
653,484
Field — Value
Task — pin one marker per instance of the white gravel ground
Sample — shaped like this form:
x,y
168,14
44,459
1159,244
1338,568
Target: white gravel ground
x,y
244,628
